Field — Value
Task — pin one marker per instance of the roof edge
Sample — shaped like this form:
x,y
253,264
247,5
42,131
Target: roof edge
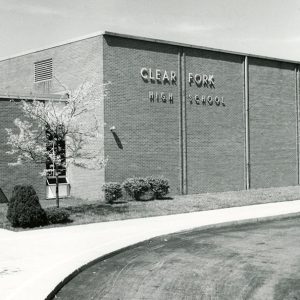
x,y
54,45
153,40
148,39
40,97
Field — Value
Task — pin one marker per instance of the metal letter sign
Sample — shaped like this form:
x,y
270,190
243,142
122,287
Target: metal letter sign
x,y
163,76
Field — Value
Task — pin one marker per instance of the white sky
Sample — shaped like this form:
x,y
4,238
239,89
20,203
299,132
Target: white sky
x,y
264,27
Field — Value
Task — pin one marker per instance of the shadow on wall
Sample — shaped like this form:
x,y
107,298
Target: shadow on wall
x,y
3,198
118,141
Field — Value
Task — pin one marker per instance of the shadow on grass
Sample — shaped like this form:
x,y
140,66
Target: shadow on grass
x,y
104,209
120,202
68,221
157,199
166,198
99,209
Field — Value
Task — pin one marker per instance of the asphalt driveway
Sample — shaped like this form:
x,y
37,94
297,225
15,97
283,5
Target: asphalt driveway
x,y
256,261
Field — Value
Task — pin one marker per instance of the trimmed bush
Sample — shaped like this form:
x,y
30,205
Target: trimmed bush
x,y
57,215
112,191
159,186
148,188
24,208
136,187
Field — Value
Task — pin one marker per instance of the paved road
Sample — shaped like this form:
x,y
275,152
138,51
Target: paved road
x,y
254,261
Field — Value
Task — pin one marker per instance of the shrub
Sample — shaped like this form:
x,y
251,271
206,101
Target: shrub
x,y
112,191
159,186
57,215
136,187
24,208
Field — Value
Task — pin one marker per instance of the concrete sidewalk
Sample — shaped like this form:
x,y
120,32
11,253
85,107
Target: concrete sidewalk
x,y
33,263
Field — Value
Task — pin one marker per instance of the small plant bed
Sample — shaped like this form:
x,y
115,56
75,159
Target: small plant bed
x,y
83,212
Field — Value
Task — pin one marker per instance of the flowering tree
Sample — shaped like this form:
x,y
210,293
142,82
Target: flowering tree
x,y
56,133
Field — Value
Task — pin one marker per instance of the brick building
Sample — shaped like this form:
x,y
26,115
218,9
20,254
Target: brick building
x,y
208,120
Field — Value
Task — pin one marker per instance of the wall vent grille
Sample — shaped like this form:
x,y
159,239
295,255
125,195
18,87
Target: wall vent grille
x,y
43,70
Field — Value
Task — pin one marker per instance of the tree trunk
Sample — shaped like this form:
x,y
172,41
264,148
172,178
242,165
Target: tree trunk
x,y
56,188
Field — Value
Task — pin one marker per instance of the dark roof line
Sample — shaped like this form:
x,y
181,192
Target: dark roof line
x,y
197,47
40,97
153,40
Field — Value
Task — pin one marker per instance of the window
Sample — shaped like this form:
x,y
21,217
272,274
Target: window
x,y
57,145
43,70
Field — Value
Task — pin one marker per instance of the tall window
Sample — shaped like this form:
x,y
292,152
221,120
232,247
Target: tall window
x,y
57,146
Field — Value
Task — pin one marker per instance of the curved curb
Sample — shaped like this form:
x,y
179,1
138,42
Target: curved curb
x,y
67,279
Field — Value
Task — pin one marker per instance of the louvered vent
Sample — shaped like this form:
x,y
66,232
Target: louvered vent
x,y
43,70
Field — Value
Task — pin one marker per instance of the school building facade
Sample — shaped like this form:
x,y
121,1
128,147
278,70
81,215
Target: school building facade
x,y
208,120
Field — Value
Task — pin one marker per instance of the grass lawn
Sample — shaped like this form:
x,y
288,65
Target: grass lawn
x,y
256,261
83,212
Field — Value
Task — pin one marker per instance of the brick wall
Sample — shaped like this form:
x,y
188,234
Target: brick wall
x,y
73,64
215,133
12,175
272,113
148,132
